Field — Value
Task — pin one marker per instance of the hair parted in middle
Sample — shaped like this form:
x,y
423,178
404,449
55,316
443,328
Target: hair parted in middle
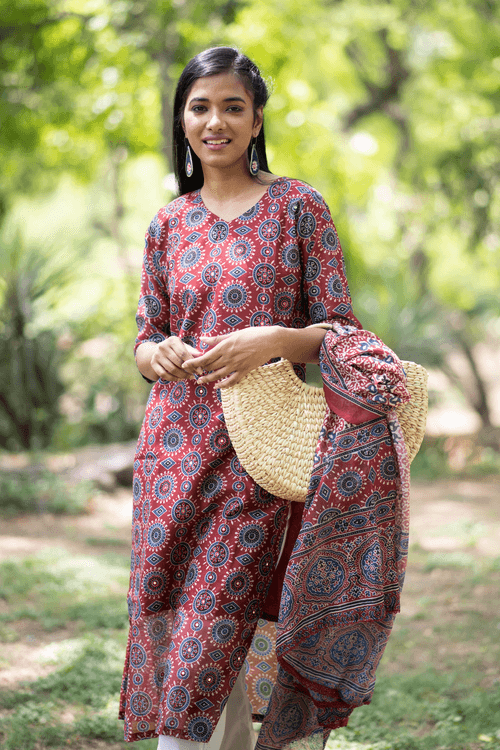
x,y
211,62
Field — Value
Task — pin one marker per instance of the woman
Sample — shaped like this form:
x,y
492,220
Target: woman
x,y
236,271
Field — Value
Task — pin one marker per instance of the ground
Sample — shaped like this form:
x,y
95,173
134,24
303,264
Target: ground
x,y
449,619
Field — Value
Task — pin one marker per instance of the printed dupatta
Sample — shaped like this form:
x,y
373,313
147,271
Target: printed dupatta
x,y
342,585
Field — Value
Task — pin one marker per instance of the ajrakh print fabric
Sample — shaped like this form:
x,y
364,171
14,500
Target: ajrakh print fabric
x,y
206,538
343,580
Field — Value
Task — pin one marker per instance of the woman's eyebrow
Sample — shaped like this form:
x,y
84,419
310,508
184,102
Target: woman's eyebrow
x,y
227,99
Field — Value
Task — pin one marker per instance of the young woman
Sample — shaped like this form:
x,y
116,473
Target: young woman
x,y
237,271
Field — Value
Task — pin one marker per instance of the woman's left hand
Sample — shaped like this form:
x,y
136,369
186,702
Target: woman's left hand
x,y
234,355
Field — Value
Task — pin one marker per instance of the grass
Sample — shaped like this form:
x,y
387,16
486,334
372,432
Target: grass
x,y
43,492
438,686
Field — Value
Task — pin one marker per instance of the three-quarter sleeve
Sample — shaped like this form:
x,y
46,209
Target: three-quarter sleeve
x,y
153,310
325,289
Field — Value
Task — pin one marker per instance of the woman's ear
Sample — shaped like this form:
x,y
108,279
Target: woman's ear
x,y
258,120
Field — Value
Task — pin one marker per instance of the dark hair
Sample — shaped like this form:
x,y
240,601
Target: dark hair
x,y
210,62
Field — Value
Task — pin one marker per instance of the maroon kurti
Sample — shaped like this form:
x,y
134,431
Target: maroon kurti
x,y
206,537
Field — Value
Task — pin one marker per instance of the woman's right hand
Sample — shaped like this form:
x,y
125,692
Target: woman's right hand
x,y
164,360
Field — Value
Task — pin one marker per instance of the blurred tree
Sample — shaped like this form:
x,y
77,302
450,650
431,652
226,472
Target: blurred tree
x,y
393,111
30,365
390,109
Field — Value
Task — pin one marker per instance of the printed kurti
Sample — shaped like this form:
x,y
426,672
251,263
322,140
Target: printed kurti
x,y
205,536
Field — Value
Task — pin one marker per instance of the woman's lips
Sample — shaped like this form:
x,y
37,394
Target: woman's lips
x,y
217,143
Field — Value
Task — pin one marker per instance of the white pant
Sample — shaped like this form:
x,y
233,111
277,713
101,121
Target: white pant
x,y
234,730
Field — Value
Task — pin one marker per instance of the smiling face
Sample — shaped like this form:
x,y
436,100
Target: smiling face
x,y
219,121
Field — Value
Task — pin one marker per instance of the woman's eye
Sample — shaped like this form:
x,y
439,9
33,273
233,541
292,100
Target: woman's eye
x,y
198,108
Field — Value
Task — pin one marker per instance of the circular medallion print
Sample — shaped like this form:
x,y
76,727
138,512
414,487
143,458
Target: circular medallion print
x,y
180,553
211,274
219,441
335,288
199,416
211,486
152,306
329,239
269,230
195,217
237,658
204,602
218,232
156,535
154,583
233,508
137,656
200,729
223,631
264,275
209,679
164,486
240,250
261,645
173,440
307,225
251,536
388,468
234,296
178,699
161,673
350,483
190,258
177,394
217,554
190,650
183,510
291,256
237,583
284,303
140,703
191,463
261,318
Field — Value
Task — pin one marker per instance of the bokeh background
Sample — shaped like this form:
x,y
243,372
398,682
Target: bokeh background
x,y
392,111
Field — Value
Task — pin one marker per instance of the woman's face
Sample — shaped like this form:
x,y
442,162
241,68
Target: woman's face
x,y
219,121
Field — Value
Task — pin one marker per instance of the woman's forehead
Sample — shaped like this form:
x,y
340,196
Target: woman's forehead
x,y
221,86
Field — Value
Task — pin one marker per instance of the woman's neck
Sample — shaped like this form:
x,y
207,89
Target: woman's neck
x,y
229,193
224,185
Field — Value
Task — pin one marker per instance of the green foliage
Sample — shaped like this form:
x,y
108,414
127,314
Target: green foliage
x,y
30,371
390,109
43,492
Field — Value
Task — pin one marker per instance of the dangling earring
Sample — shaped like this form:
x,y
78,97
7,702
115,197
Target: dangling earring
x,y
188,164
254,161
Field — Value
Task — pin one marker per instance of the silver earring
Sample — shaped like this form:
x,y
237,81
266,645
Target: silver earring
x,y
254,161
188,164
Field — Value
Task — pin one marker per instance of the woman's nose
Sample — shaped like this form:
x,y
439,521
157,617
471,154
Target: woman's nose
x,y
215,120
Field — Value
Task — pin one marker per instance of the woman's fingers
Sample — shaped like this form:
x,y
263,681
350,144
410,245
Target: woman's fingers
x,y
168,358
214,375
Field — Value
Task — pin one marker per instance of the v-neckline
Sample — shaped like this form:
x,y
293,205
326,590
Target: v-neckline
x,y
247,211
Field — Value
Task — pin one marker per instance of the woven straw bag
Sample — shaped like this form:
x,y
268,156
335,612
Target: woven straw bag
x,y
274,420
